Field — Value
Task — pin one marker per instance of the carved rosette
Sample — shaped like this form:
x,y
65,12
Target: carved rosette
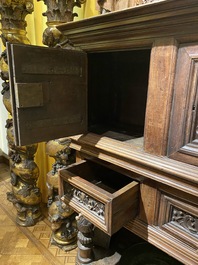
x,y
59,12
25,195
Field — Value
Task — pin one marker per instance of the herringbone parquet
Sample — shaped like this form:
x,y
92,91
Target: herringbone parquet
x,y
26,245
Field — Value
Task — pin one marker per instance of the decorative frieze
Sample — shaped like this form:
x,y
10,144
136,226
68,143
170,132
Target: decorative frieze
x,y
84,200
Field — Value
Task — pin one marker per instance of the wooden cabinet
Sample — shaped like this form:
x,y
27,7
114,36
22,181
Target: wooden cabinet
x,y
133,89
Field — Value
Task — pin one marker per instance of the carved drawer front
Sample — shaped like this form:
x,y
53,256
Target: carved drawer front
x,y
105,197
179,218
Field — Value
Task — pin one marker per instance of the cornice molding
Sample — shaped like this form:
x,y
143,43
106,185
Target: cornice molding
x,y
138,26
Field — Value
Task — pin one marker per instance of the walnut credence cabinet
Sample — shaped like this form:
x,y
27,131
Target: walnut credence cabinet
x,y
132,86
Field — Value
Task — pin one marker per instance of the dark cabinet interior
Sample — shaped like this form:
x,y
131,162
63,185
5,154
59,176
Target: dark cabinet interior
x,y
100,176
117,92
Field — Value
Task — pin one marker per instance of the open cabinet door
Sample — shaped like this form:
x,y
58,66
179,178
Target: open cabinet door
x,y
48,92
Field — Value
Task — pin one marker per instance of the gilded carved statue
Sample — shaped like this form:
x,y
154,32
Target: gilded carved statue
x,y
25,195
113,5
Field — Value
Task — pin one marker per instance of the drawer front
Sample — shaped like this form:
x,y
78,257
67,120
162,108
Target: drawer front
x,y
106,206
179,218
169,220
178,222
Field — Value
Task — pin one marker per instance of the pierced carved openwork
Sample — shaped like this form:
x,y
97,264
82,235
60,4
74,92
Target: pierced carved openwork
x,y
84,200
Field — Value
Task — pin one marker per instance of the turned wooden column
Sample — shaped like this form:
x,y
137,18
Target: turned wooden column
x,y
25,194
62,218
85,241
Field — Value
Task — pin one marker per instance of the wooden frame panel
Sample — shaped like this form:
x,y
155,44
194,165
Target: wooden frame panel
x,y
183,137
48,92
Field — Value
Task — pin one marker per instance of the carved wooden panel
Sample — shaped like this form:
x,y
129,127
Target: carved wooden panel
x,y
183,144
185,220
179,217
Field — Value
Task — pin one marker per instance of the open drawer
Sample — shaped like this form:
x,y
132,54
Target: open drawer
x,y
105,197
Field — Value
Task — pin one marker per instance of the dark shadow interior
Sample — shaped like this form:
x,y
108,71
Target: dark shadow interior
x,y
117,91
101,176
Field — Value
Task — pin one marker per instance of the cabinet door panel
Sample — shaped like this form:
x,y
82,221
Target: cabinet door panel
x,y
48,92
183,144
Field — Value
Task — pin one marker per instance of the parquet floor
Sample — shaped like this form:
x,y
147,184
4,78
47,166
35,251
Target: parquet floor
x,y
26,245
31,245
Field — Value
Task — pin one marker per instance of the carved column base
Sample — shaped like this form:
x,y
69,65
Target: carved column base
x,y
101,256
84,255
63,224
30,216
85,241
66,236
27,215
93,245
65,246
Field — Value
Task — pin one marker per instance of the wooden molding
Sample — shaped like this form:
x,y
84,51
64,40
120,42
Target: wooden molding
x,y
138,163
164,241
135,27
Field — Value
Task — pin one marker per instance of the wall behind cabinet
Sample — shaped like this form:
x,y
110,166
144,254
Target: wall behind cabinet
x,y
3,118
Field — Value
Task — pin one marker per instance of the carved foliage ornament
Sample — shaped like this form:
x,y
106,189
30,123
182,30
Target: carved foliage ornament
x,y
58,11
187,221
61,10
13,22
84,200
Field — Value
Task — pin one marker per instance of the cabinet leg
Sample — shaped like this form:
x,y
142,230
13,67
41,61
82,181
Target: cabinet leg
x,y
93,245
85,241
